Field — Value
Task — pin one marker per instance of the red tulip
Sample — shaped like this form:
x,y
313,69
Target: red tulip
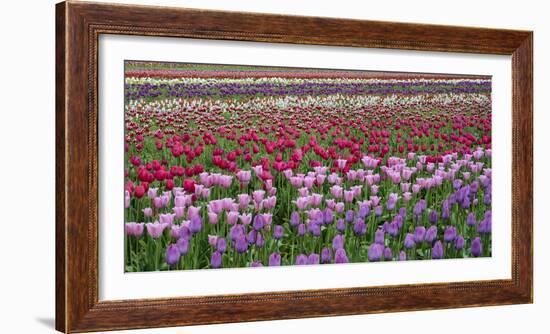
x,y
189,185
139,191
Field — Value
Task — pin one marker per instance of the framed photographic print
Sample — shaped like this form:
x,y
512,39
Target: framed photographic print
x,y
222,166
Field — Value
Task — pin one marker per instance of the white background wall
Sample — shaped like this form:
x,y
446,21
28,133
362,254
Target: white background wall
x,y
27,72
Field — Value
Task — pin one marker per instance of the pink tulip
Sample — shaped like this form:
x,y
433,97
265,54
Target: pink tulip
x,y
357,191
227,203
147,212
155,229
205,179
348,196
158,202
302,192
205,193
320,178
268,218
127,199
216,206
244,176
244,200
178,211
212,240
258,195
302,202
287,173
375,200
296,181
232,217
134,229
336,191
226,180
212,218
175,231
246,218
152,192
182,201
309,181
316,199
269,203
193,211
374,189
166,218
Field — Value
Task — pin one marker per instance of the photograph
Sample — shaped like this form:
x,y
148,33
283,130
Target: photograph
x,y
231,166
274,166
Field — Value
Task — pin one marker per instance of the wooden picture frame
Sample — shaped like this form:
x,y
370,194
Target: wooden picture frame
x,y
78,26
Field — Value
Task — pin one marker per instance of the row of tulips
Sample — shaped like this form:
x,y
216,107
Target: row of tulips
x,y
252,181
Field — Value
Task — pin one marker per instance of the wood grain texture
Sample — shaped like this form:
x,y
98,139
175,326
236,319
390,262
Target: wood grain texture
x,y
78,26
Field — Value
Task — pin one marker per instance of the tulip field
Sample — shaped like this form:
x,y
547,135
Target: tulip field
x,y
232,166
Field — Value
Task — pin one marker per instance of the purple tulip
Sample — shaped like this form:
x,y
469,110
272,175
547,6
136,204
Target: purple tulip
x,y
445,209
338,242
221,245
341,225
392,200
241,245
419,234
375,252
437,251
388,255
328,216
459,242
326,256
403,213
251,236
313,258
274,259
295,218
260,240
409,241
185,232
301,259
349,216
379,236
431,234
364,211
360,228
258,222
172,254
477,247
402,256
216,260
340,256
278,232
391,228
236,231
196,224
183,245
449,234
301,230
256,264
433,216
471,219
